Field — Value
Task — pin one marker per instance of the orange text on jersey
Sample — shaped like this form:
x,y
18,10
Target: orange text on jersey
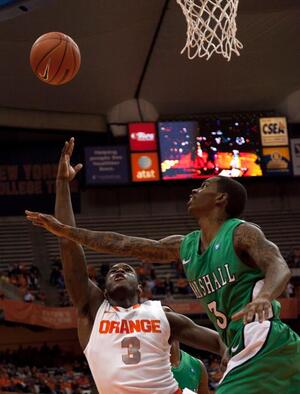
x,y
129,326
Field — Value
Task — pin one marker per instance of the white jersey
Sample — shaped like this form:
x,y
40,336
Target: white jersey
x,y
128,350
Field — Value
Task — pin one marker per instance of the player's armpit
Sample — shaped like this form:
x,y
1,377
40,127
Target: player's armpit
x,y
187,332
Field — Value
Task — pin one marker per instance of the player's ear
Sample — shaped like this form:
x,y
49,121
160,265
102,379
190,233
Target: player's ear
x,y
140,289
222,198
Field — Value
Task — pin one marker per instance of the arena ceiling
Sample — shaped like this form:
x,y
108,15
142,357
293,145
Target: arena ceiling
x,y
115,37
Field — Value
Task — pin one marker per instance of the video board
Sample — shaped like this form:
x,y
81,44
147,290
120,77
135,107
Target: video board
x,y
191,150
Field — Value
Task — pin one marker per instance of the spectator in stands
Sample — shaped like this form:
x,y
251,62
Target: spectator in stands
x,y
290,290
293,258
182,285
26,281
35,377
64,299
169,286
178,267
49,370
214,372
28,296
159,288
140,270
56,268
146,292
41,297
150,283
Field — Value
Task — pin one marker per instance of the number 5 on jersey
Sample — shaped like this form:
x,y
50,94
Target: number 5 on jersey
x,y
221,318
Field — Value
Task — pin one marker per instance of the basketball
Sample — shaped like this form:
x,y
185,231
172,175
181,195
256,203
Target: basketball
x,y
55,58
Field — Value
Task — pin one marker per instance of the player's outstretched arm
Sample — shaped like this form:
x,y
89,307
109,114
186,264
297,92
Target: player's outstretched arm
x,y
250,241
189,333
82,291
164,250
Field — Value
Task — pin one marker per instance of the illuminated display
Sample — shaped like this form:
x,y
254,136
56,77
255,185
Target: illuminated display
x,y
145,167
190,150
277,160
142,136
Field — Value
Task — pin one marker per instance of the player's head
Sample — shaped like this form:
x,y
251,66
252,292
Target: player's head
x,y
222,193
122,281
236,195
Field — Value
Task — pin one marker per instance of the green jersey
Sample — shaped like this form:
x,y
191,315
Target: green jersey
x,y
220,280
188,373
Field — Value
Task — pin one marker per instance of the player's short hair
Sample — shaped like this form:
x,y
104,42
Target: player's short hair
x,y
237,195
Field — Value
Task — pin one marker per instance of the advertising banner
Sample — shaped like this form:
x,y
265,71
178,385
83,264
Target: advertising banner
x,y
145,167
27,178
64,318
106,165
142,137
295,149
39,315
274,131
277,160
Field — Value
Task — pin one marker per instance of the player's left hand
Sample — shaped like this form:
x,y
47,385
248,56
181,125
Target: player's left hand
x,y
260,306
48,222
65,170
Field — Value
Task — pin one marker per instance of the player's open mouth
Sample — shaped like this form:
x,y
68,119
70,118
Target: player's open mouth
x,y
119,277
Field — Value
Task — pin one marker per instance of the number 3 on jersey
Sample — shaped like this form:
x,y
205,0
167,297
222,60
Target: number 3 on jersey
x,y
221,318
133,355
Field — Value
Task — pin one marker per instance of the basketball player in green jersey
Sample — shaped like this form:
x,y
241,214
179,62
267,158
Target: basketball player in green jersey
x,y
188,371
236,274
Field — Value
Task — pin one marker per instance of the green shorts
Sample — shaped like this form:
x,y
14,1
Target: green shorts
x,y
265,360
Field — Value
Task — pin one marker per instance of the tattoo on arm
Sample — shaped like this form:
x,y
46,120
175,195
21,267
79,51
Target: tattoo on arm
x,y
164,250
250,240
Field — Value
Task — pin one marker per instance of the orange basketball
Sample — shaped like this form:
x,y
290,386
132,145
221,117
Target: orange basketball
x,y
55,58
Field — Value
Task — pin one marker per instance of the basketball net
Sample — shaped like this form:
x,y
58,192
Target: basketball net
x,y
211,28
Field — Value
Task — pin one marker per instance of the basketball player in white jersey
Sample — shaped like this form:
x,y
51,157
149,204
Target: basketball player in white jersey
x,y
127,344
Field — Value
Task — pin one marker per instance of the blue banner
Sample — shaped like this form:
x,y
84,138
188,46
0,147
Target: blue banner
x,y
106,165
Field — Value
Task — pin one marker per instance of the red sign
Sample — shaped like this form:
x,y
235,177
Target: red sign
x,y
145,167
142,136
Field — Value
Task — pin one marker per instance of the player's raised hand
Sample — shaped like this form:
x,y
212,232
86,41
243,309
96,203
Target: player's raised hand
x,y
48,222
65,170
260,306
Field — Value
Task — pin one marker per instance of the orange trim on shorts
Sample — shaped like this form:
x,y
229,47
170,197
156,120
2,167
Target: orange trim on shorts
x,y
179,391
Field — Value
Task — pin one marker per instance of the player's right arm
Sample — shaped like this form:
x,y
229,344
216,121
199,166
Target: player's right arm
x,y
84,293
149,250
191,334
